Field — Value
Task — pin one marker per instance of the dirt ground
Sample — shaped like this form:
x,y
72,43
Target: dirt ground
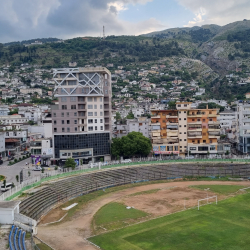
x,y
170,198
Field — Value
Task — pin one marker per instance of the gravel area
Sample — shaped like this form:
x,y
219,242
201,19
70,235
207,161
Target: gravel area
x,y
4,235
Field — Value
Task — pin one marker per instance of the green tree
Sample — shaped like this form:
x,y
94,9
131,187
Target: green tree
x,y
70,163
14,111
130,115
117,116
132,144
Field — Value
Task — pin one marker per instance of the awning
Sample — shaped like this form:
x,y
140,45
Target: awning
x,y
11,140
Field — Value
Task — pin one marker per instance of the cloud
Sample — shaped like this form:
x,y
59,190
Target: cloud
x,y
26,19
219,12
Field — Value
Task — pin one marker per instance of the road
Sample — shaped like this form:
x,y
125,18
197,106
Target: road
x,y
11,171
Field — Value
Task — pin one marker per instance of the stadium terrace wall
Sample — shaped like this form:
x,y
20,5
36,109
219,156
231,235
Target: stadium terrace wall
x,y
60,191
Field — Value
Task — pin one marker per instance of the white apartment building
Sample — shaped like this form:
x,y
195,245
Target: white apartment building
x,y
31,90
13,119
243,127
141,124
227,121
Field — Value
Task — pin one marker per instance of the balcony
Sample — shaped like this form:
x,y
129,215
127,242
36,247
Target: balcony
x,y
172,116
213,115
213,128
213,123
213,135
172,127
155,117
198,114
172,133
194,135
195,127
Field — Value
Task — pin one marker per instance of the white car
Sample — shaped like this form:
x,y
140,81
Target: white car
x,y
189,157
37,168
126,161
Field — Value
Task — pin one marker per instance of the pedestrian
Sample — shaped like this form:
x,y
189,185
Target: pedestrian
x,y
26,163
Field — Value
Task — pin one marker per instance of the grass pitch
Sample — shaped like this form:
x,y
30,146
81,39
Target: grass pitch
x,y
220,189
114,215
213,227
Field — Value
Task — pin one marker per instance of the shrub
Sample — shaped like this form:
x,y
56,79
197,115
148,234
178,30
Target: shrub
x,y
20,158
15,160
56,167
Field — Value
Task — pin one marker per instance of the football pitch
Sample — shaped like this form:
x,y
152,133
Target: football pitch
x,y
213,227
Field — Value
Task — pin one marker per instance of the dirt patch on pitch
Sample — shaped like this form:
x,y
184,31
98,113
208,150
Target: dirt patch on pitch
x,y
167,200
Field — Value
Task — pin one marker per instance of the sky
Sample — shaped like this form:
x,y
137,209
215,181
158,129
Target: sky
x,y
30,19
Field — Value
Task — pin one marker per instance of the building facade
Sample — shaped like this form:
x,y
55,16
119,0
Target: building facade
x,y
243,128
81,121
185,131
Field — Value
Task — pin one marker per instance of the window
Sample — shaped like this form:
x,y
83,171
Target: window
x,y
64,106
62,114
75,128
72,82
198,120
192,148
90,106
101,114
210,120
73,99
198,141
185,139
185,112
55,129
63,129
185,119
106,91
54,122
210,141
73,106
179,126
63,99
180,139
180,146
204,141
179,112
185,105
54,114
95,106
193,141
75,114
179,105
75,121
101,127
90,113
179,119
95,113
62,121
193,120
101,121
90,99
68,121
90,128
67,114
106,83
101,106
185,133
95,99
90,121
185,126
68,129
95,127
203,120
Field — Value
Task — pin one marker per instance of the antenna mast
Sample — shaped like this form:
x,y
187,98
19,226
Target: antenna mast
x,y
103,32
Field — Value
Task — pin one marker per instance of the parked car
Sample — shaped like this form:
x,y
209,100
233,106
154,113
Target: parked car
x,y
24,153
189,157
11,158
1,162
126,161
38,168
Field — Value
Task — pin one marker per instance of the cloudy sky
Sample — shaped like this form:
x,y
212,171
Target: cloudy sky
x,y
27,19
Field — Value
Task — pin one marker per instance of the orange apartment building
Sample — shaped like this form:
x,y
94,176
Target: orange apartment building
x,y
185,131
164,129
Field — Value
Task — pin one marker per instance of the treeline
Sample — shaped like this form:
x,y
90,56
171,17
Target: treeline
x,y
43,40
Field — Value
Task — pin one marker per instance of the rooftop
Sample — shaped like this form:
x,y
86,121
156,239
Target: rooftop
x,y
9,204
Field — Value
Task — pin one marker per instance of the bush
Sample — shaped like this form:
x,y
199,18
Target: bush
x,y
15,160
24,157
20,158
56,167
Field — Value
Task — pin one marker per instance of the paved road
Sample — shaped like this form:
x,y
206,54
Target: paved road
x,y
11,171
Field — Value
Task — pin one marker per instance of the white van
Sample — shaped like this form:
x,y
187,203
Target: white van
x,y
7,187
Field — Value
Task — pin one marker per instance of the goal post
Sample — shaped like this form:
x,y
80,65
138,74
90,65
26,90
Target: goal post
x,y
206,199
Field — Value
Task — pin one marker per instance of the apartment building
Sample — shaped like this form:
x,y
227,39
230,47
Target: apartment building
x,y
13,119
81,121
32,91
243,128
41,151
140,124
185,131
164,132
